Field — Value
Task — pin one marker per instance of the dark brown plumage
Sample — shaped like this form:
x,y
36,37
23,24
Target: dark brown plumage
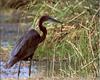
x,y
27,44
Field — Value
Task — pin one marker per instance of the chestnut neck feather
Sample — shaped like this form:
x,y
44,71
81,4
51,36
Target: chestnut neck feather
x,y
43,29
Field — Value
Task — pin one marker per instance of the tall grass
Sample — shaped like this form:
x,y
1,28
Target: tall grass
x,y
77,52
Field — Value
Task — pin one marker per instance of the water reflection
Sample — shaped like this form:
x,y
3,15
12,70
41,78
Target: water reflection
x,y
12,72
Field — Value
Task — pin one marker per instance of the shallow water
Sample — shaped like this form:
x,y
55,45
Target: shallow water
x,y
12,72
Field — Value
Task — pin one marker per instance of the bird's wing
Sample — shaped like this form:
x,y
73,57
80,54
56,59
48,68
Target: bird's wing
x,y
27,42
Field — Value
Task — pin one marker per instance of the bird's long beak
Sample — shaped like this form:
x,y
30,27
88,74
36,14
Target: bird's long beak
x,y
54,20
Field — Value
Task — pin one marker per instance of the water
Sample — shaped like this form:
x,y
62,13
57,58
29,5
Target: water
x,y
12,72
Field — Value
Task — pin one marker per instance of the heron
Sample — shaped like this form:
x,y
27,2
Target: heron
x,y
25,47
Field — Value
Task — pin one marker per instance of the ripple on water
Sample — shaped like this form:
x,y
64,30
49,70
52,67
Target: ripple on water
x,y
12,72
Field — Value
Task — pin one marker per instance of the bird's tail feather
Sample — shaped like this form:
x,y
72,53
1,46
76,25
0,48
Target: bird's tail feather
x,y
8,65
11,62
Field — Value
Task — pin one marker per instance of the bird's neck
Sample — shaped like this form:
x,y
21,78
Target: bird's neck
x,y
43,29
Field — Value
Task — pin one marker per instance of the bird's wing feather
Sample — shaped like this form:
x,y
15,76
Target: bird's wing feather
x,y
29,41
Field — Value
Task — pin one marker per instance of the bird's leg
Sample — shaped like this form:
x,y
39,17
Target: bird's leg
x,y
19,69
30,67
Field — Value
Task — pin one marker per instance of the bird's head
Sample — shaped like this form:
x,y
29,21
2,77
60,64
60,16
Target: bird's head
x,y
48,18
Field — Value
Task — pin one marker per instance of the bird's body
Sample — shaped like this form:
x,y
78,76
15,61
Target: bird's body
x,y
27,44
25,47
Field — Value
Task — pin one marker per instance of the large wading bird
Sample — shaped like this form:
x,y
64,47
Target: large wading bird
x,y
27,44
